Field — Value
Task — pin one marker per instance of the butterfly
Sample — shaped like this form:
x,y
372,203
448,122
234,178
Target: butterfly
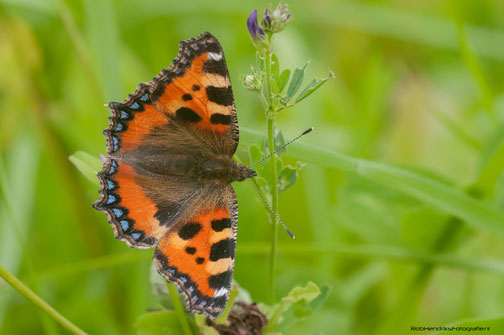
x,y
166,182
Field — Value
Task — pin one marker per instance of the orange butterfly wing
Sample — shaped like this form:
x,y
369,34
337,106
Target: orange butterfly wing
x,y
196,91
198,255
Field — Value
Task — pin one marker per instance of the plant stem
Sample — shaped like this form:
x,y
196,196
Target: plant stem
x,y
274,206
269,90
179,309
39,302
270,114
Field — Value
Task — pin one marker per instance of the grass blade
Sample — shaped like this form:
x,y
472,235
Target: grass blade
x,y
477,214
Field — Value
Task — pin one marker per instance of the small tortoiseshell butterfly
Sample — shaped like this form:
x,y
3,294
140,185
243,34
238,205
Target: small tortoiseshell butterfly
x,y
166,182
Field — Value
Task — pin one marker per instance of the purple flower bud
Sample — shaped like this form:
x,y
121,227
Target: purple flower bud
x,y
266,21
253,26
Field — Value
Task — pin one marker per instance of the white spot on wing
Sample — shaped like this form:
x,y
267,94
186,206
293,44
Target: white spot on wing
x,y
220,292
215,56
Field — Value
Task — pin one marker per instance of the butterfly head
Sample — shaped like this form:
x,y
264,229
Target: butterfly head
x,y
243,172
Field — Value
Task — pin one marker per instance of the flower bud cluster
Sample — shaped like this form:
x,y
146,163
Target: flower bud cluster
x,y
273,21
253,81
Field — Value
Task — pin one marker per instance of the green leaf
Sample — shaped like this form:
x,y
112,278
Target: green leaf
x,y
279,139
275,67
306,293
283,79
299,294
312,87
274,88
161,322
296,81
421,228
299,297
478,214
88,165
159,289
243,294
316,303
262,182
491,163
259,61
207,330
288,176
200,320
255,154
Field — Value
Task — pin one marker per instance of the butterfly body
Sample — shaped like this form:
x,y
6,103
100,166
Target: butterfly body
x,y
166,182
196,163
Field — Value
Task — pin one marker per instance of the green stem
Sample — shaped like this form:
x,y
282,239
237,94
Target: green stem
x,y
274,206
270,114
267,63
179,309
37,301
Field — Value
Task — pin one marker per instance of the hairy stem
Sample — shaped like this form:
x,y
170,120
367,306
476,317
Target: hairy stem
x,y
274,206
270,114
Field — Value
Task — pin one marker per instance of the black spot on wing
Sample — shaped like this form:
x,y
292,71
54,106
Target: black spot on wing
x,y
220,280
220,225
196,87
190,250
200,260
220,95
187,97
222,249
186,114
218,118
215,66
166,213
189,230
213,47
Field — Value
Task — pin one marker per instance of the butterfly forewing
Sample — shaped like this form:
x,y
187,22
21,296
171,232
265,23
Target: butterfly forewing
x,y
196,92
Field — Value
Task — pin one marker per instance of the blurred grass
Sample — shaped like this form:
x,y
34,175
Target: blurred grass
x,y
397,208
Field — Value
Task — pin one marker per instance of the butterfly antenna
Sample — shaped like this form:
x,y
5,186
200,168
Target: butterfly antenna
x,y
271,210
280,148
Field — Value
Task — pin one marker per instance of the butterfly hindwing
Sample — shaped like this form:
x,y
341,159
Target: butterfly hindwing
x,y
142,206
198,255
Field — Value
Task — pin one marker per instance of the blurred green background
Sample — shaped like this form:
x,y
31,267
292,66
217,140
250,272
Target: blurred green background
x,y
419,85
